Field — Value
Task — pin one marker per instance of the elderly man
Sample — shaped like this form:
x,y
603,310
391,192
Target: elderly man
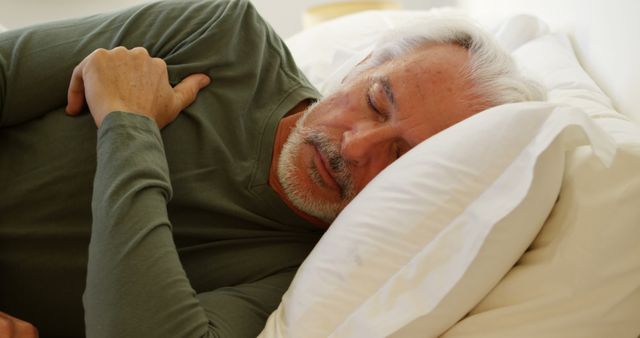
x,y
214,170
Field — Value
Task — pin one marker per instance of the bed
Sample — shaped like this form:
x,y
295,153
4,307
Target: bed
x,y
522,221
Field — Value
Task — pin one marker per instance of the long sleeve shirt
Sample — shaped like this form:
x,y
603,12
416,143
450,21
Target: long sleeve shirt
x,y
137,232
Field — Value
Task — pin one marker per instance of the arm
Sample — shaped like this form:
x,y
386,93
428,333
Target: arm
x,y
133,264
36,62
136,285
203,36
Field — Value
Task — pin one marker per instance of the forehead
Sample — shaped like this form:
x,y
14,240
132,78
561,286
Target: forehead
x,y
431,68
430,89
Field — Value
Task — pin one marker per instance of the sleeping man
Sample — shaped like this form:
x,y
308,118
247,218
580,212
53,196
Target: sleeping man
x,y
215,166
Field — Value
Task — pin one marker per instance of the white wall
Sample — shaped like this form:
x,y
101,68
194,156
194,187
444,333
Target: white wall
x,y
284,15
19,13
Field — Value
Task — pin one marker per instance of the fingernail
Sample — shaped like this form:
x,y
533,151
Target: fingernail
x,y
205,81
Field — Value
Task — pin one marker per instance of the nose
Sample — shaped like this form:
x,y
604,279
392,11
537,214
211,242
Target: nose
x,y
365,143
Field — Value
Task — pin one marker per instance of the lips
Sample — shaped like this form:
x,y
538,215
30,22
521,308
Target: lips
x,y
322,166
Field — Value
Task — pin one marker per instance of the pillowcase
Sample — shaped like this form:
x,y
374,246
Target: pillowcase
x,y
433,233
581,276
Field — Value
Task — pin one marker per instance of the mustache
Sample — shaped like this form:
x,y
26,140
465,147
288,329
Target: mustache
x,y
337,164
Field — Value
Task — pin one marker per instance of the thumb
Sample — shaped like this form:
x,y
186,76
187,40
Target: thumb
x,y
187,90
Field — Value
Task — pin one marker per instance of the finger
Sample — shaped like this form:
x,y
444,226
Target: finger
x,y
7,326
16,327
119,49
187,90
75,94
140,50
25,330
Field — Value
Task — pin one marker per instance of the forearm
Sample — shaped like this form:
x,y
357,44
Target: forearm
x,y
136,286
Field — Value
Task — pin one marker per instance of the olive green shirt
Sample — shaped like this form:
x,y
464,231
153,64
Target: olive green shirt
x,y
133,232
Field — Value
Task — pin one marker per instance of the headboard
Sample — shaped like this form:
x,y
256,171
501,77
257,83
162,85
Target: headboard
x,y
604,35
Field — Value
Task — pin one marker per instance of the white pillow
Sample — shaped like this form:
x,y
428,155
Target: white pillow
x,y
3,28
581,276
432,234
342,291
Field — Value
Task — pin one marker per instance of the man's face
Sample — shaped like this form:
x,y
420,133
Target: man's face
x,y
346,139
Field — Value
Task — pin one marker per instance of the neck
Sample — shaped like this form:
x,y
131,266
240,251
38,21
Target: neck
x,y
282,134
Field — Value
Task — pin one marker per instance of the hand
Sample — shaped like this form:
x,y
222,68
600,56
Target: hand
x,y
11,327
131,81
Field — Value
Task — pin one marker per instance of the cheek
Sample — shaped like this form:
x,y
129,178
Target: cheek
x,y
331,111
362,176
292,162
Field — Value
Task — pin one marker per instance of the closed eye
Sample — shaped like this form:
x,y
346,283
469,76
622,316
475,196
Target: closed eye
x,y
378,99
373,106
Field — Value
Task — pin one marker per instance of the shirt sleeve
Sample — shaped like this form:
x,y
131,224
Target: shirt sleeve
x,y
136,286
36,62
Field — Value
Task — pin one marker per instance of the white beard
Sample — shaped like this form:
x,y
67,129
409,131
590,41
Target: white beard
x,y
289,174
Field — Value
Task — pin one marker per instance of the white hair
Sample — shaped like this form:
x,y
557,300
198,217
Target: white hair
x,y
491,70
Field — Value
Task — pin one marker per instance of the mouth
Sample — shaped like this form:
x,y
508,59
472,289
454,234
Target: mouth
x,y
321,165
